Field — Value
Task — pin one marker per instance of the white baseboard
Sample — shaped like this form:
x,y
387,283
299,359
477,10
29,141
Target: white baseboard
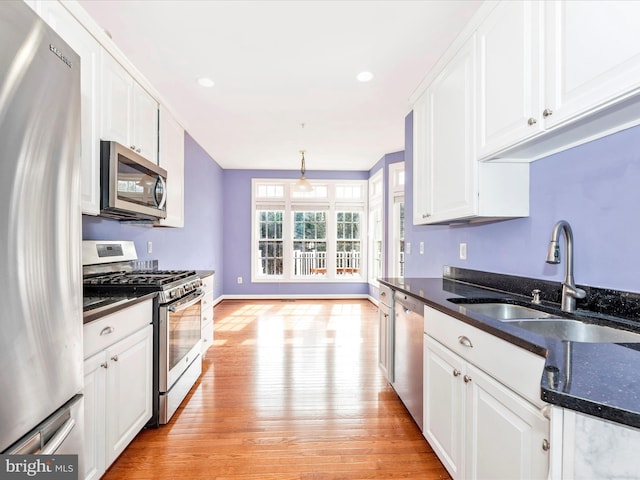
x,y
298,297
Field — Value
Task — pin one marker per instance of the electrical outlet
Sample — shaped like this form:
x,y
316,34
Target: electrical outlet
x,y
239,280
463,251
421,248
149,247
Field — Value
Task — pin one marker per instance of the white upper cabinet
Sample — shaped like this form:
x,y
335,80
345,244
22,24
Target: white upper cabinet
x,y
592,55
129,113
89,49
552,75
172,160
510,81
450,185
445,144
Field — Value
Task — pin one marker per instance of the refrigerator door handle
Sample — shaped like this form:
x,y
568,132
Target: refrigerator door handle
x,y
59,437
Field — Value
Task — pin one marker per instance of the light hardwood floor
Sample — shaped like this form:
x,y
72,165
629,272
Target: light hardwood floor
x,y
291,390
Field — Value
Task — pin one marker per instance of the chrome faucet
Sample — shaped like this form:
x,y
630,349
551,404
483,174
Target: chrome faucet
x,y
569,290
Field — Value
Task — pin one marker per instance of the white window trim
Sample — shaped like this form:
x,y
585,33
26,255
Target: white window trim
x,y
376,201
289,204
396,190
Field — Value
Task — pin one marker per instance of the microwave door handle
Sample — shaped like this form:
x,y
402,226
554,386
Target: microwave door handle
x,y
160,204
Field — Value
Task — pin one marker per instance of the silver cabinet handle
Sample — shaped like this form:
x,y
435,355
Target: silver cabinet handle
x,y
547,112
132,147
546,445
138,150
426,215
107,331
465,341
532,121
104,365
114,358
466,378
456,372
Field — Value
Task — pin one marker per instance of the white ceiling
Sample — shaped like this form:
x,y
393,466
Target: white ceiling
x,y
280,64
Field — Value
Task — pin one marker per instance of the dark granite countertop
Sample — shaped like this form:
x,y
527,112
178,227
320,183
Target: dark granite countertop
x,y
205,273
98,306
599,379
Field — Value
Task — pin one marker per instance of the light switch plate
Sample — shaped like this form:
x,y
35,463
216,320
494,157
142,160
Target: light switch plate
x,y
421,248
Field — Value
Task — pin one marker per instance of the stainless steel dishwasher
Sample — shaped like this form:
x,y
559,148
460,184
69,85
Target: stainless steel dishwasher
x,y
408,348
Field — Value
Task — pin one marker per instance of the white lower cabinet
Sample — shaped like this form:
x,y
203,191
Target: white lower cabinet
x,y
206,319
478,427
117,384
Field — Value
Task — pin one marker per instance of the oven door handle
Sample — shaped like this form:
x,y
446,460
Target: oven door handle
x,y
195,298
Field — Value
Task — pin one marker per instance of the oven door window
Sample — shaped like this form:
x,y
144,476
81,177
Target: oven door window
x,y
184,331
138,185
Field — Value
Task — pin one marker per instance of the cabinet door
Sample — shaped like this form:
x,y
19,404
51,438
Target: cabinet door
x,y
443,405
592,55
95,388
88,48
449,158
171,158
129,390
510,79
504,433
383,339
144,126
116,99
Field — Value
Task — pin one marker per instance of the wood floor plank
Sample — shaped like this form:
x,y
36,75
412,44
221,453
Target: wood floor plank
x,y
290,390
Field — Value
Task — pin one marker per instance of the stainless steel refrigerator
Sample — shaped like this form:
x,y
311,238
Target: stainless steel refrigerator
x,y
40,238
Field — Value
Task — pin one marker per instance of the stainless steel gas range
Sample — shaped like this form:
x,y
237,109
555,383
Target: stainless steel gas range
x,y
112,268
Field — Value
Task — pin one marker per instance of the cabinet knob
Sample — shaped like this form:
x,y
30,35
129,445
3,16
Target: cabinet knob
x,y
532,121
132,147
456,372
465,341
104,365
547,112
546,445
466,378
138,150
114,358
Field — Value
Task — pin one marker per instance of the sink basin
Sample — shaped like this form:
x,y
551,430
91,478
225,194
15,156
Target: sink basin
x,y
505,311
577,331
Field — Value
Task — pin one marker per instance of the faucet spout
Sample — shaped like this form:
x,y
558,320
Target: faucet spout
x,y
569,290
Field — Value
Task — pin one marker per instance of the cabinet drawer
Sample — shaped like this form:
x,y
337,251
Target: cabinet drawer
x,y
207,336
207,283
102,333
513,366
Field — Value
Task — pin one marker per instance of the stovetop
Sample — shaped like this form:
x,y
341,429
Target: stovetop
x,y
156,278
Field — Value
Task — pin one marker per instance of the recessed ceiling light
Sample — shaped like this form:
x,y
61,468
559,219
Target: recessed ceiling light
x,y
206,82
365,76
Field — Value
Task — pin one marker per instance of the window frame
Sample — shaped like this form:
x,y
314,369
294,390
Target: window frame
x,y
290,204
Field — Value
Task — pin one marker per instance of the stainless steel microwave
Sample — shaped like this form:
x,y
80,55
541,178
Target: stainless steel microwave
x,y
131,187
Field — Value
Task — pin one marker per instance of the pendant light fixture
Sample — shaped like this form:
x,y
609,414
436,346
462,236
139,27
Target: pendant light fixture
x,y
302,185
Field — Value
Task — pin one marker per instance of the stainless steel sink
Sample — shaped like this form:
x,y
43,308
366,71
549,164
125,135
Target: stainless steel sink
x,y
505,311
577,331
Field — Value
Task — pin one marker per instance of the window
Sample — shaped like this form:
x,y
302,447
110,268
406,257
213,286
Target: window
x,y
309,243
308,236
375,227
396,220
270,242
348,243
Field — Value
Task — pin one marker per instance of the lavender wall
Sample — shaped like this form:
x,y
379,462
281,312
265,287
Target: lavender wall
x,y
237,237
593,186
198,245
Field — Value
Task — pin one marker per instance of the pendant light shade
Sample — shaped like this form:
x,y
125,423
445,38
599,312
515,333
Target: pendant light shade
x,y
302,185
